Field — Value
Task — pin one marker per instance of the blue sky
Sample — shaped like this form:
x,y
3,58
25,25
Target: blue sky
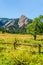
x,y
16,8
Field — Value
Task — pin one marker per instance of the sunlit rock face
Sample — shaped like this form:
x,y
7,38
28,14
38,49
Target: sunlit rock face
x,y
9,23
22,20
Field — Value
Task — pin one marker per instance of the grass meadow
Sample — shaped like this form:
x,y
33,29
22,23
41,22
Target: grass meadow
x,y
22,55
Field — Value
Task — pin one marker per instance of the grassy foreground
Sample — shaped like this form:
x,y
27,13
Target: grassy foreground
x,y
20,56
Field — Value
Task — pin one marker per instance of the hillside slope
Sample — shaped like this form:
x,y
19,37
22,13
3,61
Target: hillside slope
x,y
17,25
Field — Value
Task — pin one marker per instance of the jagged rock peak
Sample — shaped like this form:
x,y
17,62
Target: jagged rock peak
x,y
22,20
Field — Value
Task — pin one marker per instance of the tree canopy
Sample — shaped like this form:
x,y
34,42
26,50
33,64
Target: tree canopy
x,y
36,27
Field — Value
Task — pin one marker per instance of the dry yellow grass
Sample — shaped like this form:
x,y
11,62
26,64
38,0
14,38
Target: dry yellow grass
x,y
23,38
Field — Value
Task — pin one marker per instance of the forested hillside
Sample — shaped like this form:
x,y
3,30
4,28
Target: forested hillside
x,y
22,25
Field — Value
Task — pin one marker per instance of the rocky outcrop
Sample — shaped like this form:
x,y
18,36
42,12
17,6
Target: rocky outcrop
x,y
22,20
9,23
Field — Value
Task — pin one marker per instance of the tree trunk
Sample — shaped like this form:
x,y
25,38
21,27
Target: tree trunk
x,y
34,37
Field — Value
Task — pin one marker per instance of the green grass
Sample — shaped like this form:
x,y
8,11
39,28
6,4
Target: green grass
x,y
22,55
10,56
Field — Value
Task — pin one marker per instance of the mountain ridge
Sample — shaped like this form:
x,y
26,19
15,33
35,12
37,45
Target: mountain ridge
x,y
15,25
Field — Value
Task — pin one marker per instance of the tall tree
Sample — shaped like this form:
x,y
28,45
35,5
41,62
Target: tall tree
x,y
34,27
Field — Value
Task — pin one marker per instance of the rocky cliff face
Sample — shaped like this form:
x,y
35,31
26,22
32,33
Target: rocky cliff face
x,y
9,23
22,20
